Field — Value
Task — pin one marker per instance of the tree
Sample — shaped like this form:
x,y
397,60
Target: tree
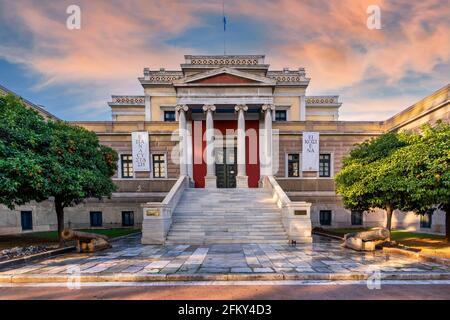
x,y
24,134
78,167
370,179
41,160
425,166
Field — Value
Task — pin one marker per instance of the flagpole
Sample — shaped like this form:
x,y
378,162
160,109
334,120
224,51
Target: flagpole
x,y
224,28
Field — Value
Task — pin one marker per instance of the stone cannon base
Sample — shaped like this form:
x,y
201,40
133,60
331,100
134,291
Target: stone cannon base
x,y
360,245
92,245
366,240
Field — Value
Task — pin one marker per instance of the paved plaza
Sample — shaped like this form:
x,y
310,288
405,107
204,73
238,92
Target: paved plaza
x,y
323,257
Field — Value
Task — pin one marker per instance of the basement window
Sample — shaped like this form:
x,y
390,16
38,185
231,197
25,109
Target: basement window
x,y
127,218
325,217
96,218
357,218
425,221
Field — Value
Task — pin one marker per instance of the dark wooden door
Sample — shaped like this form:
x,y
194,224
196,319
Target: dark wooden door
x,y
226,167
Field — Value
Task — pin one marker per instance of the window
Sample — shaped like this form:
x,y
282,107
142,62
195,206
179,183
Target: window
x,y
127,165
96,218
324,165
169,116
127,218
293,165
325,217
26,219
280,115
159,165
357,218
425,220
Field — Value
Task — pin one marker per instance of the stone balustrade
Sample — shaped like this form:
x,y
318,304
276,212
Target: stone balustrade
x,y
158,215
295,215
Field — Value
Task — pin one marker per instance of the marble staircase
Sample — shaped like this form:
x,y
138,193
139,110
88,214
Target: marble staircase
x,y
215,216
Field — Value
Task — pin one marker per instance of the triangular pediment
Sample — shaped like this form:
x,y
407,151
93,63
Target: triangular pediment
x,y
225,76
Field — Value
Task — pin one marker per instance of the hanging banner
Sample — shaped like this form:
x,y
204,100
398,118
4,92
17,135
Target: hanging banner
x,y
310,151
141,151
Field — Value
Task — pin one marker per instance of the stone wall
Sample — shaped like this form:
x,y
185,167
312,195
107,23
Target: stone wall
x,y
44,216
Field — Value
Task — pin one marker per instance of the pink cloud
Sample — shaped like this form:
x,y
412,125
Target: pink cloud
x,y
329,38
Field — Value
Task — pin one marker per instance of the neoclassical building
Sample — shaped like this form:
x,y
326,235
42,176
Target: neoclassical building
x,y
224,148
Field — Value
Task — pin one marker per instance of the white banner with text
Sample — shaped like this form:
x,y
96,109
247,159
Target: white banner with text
x,y
141,151
310,151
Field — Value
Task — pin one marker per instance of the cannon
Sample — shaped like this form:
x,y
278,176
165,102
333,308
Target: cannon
x,y
86,242
366,240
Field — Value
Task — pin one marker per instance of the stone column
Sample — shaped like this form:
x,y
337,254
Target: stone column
x,y
210,178
181,112
267,109
241,178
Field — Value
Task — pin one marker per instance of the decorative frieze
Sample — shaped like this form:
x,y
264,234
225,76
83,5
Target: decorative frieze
x,y
128,100
225,61
289,77
321,100
161,76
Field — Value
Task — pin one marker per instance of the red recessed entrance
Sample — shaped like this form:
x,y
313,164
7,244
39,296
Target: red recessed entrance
x,y
252,167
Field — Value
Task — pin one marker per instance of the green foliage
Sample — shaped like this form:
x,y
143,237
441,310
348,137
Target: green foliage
x,y
426,168
369,177
407,171
40,159
78,167
24,134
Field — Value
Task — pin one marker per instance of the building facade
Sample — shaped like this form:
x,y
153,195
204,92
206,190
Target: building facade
x,y
230,122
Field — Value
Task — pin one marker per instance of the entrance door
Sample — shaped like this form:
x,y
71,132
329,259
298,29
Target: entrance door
x,y
226,167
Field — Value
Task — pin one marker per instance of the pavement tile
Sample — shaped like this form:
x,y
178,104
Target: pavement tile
x,y
130,258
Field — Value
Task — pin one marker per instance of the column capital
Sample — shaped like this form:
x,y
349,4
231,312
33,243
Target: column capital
x,y
209,107
239,107
267,107
180,107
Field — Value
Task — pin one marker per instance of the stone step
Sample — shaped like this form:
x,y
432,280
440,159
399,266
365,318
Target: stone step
x,y
208,216
226,241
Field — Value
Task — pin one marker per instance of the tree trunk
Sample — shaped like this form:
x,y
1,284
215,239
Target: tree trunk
x,y
447,221
388,217
60,216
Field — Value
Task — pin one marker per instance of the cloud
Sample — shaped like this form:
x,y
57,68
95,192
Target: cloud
x,y
330,38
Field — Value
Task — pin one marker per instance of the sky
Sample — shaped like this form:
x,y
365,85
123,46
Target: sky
x,y
73,73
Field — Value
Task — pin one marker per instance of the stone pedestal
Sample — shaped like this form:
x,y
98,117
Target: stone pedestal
x,y
210,182
241,181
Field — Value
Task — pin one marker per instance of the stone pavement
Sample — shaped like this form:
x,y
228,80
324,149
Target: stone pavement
x,y
128,260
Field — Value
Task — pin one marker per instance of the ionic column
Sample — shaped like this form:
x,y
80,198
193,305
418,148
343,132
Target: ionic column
x,y
210,178
181,112
267,109
241,178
